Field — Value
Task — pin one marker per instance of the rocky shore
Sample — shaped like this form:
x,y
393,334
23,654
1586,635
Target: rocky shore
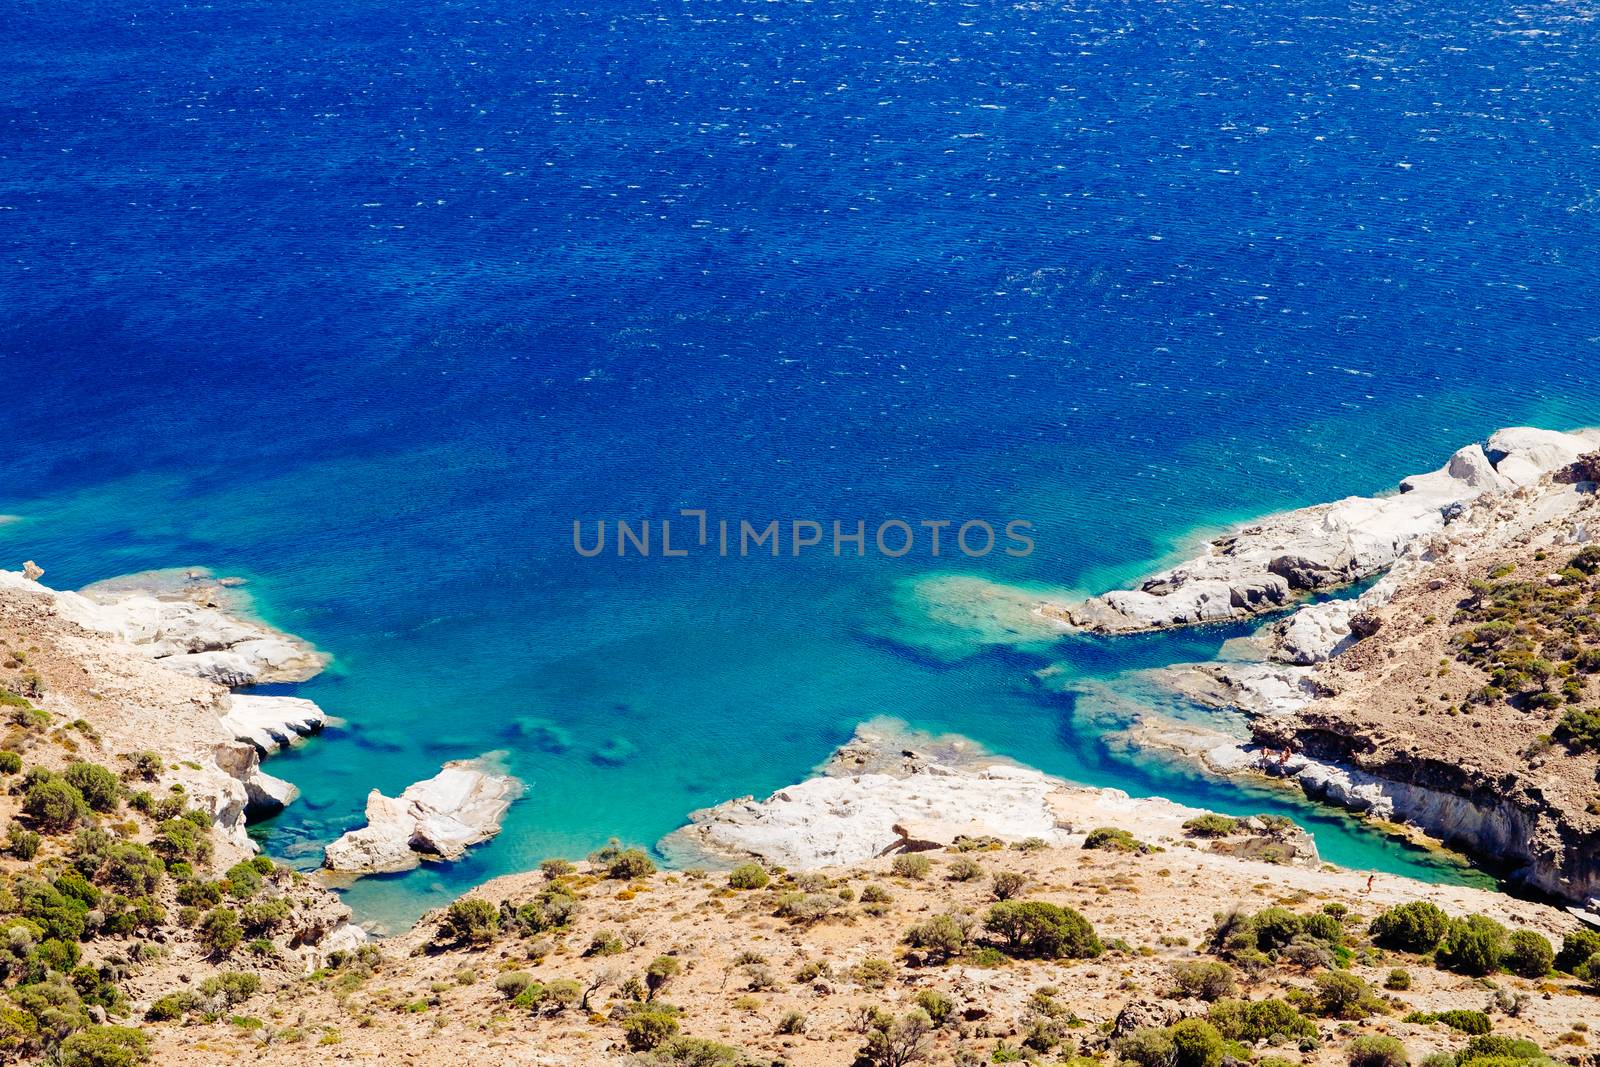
x,y
891,791
1385,703
1267,565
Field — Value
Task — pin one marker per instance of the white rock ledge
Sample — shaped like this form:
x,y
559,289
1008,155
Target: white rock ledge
x,y
439,818
181,627
911,799
272,723
1265,565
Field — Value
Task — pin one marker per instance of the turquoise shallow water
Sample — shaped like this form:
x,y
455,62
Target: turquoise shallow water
x,y
370,303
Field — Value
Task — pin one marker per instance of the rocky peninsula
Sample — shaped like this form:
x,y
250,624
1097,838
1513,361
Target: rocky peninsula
x,y
1457,693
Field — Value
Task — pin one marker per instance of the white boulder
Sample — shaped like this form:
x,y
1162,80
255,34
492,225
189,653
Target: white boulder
x,y
439,818
272,723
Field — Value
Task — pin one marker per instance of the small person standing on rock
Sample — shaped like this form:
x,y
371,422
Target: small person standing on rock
x,y
1370,879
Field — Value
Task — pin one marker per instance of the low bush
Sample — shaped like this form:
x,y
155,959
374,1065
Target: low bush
x,y
1206,979
1576,948
1211,825
1037,928
1259,1020
1114,839
749,876
470,922
1374,1050
1472,946
1415,927
1528,954
911,865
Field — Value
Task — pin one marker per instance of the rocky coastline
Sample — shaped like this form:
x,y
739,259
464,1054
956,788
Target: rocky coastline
x,y
890,790
1369,702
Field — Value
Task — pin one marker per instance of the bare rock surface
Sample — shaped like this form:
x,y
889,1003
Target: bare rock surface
x,y
192,624
272,723
1267,565
438,818
890,791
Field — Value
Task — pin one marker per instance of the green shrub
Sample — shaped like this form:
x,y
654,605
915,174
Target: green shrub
x,y
647,1029
231,987
911,865
200,894
1465,1020
220,931
941,937
55,805
1528,954
10,762
552,909
132,868
1472,946
1259,1020
1195,1043
1495,1046
1372,1050
630,863
181,839
470,922
938,1006
661,970
1007,884
100,788
242,880
557,868
1207,979
1398,979
875,894
1114,839
1037,928
263,916
872,973
698,1052
1342,995
1576,948
172,1006
105,1046
965,869
749,876
1579,728
23,844
1148,1047
510,984
1211,825
1415,927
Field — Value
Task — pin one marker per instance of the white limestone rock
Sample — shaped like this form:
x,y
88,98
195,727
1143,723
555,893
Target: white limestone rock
x,y
906,801
183,630
439,818
272,723
1266,564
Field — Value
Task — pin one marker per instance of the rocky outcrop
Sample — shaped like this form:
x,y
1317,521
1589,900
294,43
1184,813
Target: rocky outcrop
x,y
175,619
272,723
436,819
891,791
1265,566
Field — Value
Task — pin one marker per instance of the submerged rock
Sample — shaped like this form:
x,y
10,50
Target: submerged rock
x,y
439,818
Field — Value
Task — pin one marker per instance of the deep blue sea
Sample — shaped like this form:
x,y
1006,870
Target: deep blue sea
x,y
368,301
